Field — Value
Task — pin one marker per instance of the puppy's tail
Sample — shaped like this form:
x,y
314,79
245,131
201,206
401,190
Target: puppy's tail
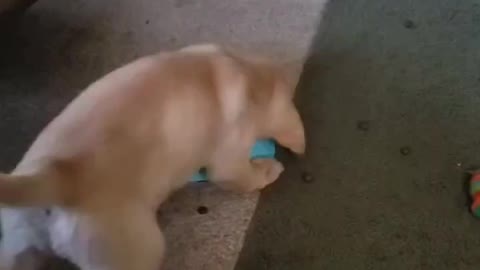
x,y
42,190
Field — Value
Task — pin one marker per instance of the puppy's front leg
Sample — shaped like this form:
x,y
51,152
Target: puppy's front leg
x,y
126,238
235,171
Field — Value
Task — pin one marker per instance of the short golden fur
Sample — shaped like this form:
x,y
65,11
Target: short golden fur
x,y
107,162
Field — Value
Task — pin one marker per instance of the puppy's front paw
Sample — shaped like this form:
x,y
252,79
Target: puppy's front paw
x,y
270,169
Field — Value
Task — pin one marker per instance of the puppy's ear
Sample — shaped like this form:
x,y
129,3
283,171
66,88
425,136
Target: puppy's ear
x,y
290,132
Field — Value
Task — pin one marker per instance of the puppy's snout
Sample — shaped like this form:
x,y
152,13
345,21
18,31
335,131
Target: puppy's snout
x,y
298,145
294,140
299,149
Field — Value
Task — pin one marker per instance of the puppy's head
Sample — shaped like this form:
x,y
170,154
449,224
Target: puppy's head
x,y
271,91
284,121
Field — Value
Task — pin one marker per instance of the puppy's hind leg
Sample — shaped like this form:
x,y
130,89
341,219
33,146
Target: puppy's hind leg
x,y
29,259
23,244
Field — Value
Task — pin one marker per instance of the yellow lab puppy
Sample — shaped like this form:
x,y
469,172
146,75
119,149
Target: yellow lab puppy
x,y
107,162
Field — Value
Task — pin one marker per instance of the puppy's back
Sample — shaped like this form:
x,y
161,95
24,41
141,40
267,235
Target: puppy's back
x,y
153,118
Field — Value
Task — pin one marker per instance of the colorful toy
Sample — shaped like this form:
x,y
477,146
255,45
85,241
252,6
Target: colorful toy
x,y
475,193
261,149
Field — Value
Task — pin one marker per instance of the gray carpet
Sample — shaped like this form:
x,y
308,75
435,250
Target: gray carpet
x,y
391,102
